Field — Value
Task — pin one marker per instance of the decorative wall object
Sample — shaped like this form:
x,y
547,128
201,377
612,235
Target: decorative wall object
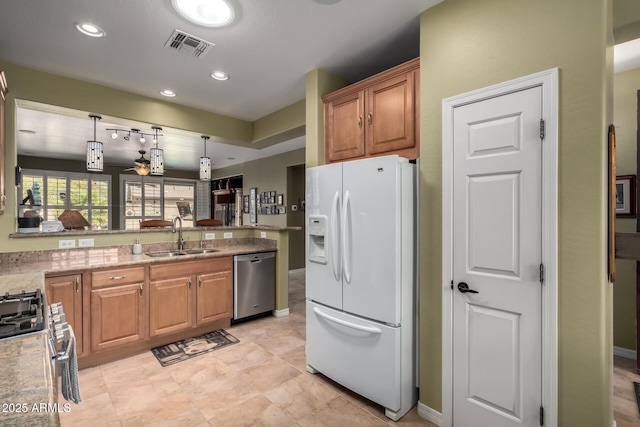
x,y
626,196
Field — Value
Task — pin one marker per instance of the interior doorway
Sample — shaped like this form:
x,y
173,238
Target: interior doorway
x,y
295,215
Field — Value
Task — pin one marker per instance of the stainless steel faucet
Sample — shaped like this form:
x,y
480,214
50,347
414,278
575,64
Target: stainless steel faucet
x,y
173,230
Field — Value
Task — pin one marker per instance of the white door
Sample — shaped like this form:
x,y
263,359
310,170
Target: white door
x,y
497,251
371,245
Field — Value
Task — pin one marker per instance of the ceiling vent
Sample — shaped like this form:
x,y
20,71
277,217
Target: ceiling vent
x,y
188,44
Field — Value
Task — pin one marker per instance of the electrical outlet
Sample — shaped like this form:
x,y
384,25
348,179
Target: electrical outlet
x,y
66,244
210,236
228,235
263,234
85,243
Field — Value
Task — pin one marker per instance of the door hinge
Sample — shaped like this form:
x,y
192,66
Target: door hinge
x,y
541,416
541,273
541,128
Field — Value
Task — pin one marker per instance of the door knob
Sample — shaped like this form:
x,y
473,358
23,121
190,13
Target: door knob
x,y
464,288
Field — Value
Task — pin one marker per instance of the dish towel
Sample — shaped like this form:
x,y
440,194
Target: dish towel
x,y
69,374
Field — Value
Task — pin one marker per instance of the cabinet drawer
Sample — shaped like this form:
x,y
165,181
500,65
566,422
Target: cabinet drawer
x,y
187,268
115,277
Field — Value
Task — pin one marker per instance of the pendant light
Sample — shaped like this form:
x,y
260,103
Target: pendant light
x,y
95,161
205,163
157,155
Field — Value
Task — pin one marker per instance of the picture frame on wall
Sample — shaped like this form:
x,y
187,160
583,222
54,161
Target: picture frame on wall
x,y
626,196
245,204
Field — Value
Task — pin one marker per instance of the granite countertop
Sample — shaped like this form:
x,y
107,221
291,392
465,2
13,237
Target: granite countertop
x,y
25,360
26,390
17,264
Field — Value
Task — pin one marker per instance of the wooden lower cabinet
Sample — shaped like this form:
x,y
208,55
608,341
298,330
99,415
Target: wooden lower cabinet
x,y
187,294
170,305
118,308
68,290
214,297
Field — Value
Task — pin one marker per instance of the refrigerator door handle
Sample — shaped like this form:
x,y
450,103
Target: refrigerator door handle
x,y
369,329
336,264
346,237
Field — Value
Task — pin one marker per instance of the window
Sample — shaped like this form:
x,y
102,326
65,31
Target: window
x,y
156,198
59,191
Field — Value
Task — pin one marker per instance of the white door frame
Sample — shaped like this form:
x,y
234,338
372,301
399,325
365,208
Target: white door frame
x,y
548,80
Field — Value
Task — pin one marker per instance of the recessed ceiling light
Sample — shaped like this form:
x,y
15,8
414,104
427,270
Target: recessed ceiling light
x,y
90,29
220,75
29,131
208,13
168,93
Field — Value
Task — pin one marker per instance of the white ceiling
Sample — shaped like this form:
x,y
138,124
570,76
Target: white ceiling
x,y
267,51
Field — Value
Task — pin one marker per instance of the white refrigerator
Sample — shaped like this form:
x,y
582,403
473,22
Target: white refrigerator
x,y
360,278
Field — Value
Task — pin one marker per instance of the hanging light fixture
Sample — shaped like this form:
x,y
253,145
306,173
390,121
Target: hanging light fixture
x,y
205,163
157,155
95,161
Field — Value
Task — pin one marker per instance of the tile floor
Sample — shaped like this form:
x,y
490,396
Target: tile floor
x,y
625,407
261,381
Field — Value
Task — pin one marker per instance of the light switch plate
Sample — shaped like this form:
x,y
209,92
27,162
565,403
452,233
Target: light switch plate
x,y
66,244
228,235
210,236
85,243
263,234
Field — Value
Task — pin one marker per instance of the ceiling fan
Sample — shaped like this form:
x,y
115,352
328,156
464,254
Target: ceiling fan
x,y
142,165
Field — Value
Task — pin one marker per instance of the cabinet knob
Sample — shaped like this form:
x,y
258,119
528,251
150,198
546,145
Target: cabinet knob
x,y
189,282
370,118
140,289
77,283
360,122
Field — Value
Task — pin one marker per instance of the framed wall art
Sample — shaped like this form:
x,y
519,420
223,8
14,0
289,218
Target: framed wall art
x,y
626,196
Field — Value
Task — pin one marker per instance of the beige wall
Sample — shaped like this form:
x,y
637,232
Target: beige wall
x,y
467,45
626,85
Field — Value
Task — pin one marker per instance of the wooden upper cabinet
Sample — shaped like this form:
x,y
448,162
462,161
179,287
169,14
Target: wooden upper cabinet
x,y
377,116
344,132
3,94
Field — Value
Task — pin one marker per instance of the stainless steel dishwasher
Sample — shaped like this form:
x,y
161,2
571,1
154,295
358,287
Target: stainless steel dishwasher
x,y
254,284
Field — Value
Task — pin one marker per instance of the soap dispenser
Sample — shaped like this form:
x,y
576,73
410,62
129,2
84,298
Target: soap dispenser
x,y
137,247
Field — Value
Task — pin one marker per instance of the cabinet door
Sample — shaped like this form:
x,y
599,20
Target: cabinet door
x,y
117,316
390,115
170,305
214,297
68,291
344,127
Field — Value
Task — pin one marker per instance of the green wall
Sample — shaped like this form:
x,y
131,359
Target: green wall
x,y
295,195
467,45
626,85
268,174
38,86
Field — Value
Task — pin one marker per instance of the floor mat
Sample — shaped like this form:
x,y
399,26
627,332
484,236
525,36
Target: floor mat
x,y
192,347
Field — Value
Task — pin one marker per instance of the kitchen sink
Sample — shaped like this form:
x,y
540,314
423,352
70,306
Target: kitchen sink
x,y
200,251
178,253
167,253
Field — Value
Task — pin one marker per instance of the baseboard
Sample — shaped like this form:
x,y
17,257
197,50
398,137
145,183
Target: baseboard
x,y
625,352
297,270
281,313
429,414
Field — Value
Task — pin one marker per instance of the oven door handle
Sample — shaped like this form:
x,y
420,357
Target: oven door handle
x,y
71,342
